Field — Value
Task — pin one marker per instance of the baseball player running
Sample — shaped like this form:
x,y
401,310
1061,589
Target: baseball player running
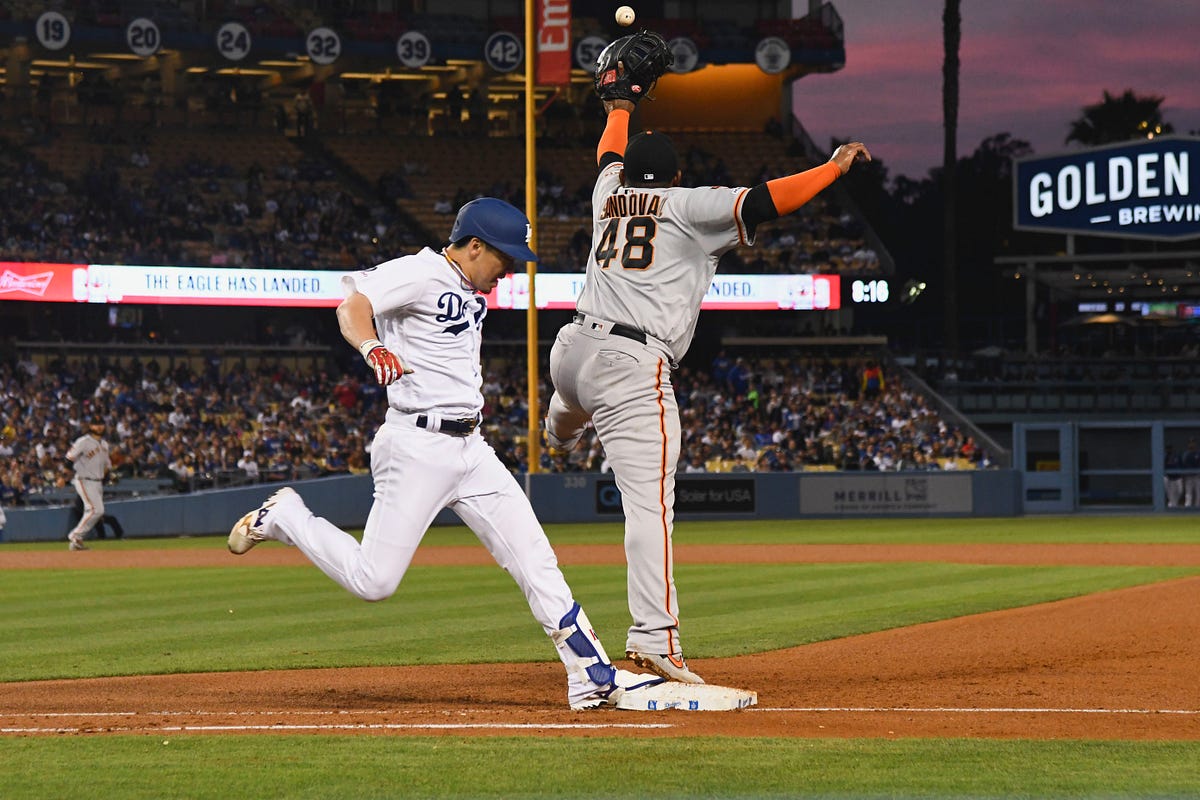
x,y
655,248
90,455
429,453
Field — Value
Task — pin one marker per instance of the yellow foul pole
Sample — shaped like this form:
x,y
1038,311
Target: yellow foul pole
x,y
531,320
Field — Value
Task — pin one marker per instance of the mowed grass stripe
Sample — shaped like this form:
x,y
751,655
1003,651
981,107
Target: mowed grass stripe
x,y
128,622
1183,528
362,767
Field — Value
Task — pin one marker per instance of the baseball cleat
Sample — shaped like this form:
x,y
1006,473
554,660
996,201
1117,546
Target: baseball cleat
x,y
252,528
610,693
75,544
673,668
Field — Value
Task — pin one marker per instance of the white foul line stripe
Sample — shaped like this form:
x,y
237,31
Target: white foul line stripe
x,y
910,710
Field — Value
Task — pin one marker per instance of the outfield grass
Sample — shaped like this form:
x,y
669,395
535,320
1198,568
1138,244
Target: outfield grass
x,y
363,767
1130,529
86,623
77,623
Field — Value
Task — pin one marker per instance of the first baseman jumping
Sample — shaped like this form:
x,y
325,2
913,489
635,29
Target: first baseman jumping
x,y
655,247
429,454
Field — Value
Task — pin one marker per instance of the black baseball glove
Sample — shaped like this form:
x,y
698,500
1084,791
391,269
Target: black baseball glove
x,y
629,67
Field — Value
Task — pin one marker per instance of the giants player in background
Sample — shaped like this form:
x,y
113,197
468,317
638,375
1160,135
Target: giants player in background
x,y
655,248
90,455
429,454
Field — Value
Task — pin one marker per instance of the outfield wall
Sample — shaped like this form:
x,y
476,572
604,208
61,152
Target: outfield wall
x,y
580,497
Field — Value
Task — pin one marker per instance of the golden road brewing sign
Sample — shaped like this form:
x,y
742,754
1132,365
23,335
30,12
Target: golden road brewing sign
x,y
1145,189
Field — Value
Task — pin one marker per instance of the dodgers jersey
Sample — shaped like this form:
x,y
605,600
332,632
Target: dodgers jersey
x,y
656,253
433,321
90,456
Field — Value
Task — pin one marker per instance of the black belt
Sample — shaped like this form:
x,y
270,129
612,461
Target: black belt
x,y
619,330
455,427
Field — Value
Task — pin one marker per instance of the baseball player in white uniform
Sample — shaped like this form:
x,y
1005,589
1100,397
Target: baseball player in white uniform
x,y
429,454
90,455
655,248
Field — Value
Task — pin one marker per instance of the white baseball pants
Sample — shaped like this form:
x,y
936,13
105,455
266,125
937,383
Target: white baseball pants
x,y
417,473
624,388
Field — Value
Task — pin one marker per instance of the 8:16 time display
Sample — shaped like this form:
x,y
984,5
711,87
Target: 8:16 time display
x,y
873,291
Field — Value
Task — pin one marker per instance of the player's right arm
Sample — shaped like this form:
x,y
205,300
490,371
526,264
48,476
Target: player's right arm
x,y
356,320
782,196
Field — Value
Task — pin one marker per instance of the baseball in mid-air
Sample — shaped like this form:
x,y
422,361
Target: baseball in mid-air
x,y
625,15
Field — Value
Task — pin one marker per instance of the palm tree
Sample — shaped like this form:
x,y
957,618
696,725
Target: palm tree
x,y
1119,119
951,36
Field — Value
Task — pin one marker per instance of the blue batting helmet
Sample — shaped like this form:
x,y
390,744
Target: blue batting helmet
x,y
500,224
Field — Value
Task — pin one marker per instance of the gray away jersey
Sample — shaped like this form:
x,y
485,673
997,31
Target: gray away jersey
x,y
90,456
655,252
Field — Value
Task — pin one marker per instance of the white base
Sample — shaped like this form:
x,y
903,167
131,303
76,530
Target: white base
x,y
686,697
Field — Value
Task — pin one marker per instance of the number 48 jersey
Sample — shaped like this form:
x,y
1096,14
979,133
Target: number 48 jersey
x,y
654,254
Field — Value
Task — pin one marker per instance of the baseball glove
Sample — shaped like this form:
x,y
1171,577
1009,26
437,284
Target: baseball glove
x,y
629,67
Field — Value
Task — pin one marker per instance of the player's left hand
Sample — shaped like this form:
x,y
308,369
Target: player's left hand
x,y
628,68
847,154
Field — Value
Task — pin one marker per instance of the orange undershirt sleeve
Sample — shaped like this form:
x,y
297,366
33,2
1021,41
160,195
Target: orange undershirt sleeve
x,y
793,191
616,134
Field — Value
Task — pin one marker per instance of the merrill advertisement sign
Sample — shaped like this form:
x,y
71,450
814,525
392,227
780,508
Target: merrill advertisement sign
x,y
1141,189
938,493
692,495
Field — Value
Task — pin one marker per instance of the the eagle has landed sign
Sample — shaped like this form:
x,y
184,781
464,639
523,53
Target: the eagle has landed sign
x,y
1146,189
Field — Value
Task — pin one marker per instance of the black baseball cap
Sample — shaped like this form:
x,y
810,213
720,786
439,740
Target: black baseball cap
x,y
650,158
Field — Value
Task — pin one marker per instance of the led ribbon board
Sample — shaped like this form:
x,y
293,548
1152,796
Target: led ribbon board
x,y
234,286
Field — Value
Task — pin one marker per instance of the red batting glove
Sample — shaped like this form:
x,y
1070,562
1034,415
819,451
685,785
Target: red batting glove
x,y
384,362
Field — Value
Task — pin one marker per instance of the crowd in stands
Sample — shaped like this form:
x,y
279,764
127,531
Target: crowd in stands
x,y
236,422
222,425
125,209
144,202
792,414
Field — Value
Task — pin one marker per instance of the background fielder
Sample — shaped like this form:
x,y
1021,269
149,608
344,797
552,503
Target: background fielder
x,y
655,248
90,455
429,453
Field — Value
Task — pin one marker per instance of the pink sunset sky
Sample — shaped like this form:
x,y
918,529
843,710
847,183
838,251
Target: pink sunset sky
x,y
1028,68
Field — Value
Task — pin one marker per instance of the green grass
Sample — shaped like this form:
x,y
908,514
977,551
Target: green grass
x,y
90,622
364,767
84,623
1132,529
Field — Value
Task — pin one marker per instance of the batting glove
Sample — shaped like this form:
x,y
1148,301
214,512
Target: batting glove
x,y
386,364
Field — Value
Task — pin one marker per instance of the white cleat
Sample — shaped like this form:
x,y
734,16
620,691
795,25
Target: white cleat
x,y
673,668
252,528
610,694
75,544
